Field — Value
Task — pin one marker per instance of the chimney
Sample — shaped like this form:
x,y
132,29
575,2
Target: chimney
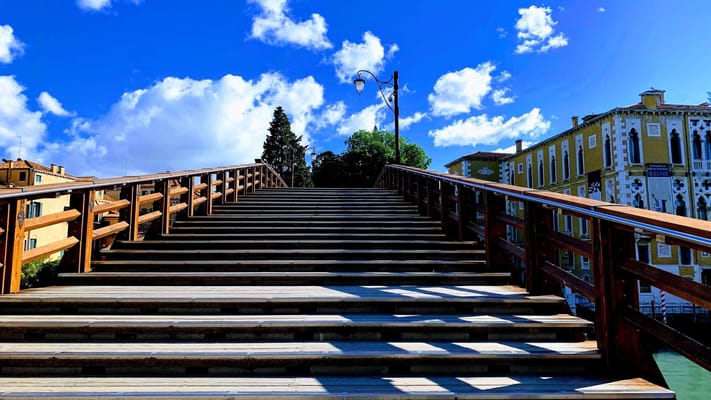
x,y
652,98
53,168
574,118
519,146
61,170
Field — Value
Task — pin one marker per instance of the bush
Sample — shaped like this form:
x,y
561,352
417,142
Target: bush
x,y
39,273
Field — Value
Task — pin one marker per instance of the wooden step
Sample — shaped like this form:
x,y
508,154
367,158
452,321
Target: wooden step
x,y
282,278
296,235
270,358
381,327
274,254
511,387
292,265
203,299
216,227
301,244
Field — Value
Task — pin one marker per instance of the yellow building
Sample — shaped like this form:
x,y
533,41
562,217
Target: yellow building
x,y
480,165
650,155
14,173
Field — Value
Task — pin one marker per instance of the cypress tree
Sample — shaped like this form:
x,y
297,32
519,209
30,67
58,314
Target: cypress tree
x,y
284,152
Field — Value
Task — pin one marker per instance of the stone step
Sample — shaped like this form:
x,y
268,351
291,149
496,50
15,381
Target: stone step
x,y
372,327
418,387
290,277
284,358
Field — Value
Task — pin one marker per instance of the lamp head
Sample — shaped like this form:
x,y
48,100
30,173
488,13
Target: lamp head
x,y
359,84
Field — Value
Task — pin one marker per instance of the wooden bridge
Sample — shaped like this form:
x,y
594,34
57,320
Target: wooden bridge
x,y
223,283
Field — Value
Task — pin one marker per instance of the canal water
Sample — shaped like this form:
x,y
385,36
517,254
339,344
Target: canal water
x,y
688,380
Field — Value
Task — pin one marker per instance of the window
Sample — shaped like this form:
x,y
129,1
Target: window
x,y
30,244
529,177
675,147
592,142
520,168
540,173
581,161
568,224
33,209
23,176
566,166
684,255
707,145
634,155
653,130
607,151
679,206
38,178
553,174
702,209
696,147
584,263
584,227
638,201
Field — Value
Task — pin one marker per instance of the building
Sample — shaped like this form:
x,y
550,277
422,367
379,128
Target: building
x,y
650,155
14,173
480,165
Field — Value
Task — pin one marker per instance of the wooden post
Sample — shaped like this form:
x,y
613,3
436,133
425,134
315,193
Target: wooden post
x,y
494,206
619,342
537,220
222,176
443,204
161,226
78,258
430,198
187,197
131,213
208,178
12,221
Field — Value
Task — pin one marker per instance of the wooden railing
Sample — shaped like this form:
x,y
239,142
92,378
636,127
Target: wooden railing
x,y
141,206
517,226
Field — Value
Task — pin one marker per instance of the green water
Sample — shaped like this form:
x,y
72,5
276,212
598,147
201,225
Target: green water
x,y
688,380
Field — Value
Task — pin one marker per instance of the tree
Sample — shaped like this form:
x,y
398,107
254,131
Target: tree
x,y
284,152
366,154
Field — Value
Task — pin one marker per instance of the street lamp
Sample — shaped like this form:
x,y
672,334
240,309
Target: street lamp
x,y
359,83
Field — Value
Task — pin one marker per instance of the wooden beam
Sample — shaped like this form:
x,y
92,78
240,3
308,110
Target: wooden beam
x,y
566,242
109,230
578,285
78,258
150,198
13,220
180,190
177,208
48,249
678,286
51,219
149,217
112,206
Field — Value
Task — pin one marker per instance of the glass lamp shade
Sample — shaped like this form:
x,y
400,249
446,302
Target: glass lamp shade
x,y
359,84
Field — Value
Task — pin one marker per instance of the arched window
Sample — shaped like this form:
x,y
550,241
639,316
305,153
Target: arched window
x,y
707,145
608,151
635,157
553,170
566,166
540,173
638,201
696,146
675,147
530,176
701,209
581,161
679,205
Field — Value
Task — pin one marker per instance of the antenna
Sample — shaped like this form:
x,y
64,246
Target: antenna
x,y
20,147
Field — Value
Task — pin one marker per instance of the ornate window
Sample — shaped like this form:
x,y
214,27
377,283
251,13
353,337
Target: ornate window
x,y
675,147
566,166
607,151
553,170
581,161
696,146
540,173
635,157
702,209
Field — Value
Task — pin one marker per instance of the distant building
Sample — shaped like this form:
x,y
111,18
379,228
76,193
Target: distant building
x,y
15,173
649,155
480,165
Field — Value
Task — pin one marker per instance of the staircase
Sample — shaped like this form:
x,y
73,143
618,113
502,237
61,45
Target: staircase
x,y
300,293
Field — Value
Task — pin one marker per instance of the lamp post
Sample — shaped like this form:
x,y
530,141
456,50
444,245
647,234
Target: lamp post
x,y
359,83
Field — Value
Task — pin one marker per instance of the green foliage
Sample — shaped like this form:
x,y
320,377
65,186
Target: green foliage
x,y
284,152
366,154
39,273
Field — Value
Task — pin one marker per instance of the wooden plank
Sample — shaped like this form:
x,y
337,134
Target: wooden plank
x,y
150,198
142,219
13,245
566,242
177,208
51,219
178,191
112,206
216,195
199,200
48,249
510,220
500,387
109,230
200,186
578,285
682,287
517,251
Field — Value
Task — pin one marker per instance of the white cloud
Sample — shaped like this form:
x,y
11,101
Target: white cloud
x,y
274,26
512,149
536,32
503,76
601,9
411,120
500,98
98,5
18,122
10,46
369,55
366,119
458,92
51,105
502,32
332,115
482,130
200,122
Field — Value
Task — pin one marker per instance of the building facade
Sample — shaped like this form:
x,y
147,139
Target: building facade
x,y
480,165
649,155
16,173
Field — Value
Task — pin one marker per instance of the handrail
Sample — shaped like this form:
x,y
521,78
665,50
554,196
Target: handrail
x,y
131,216
528,244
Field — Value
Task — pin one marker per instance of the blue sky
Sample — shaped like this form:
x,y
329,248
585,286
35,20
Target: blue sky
x,y
114,87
